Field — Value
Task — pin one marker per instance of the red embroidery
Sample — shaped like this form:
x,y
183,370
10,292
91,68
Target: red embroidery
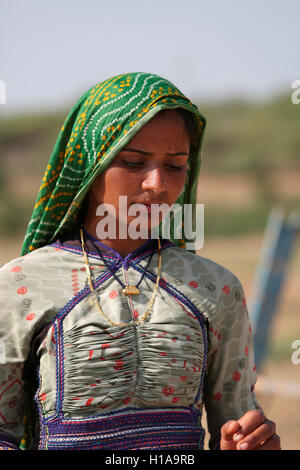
x,y
126,401
175,399
52,335
168,391
193,284
217,396
118,364
16,269
246,350
43,396
90,354
236,376
226,289
89,402
183,377
22,290
30,316
216,333
113,294
74,281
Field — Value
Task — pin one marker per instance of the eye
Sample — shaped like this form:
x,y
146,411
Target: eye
x,y
131,164
173,167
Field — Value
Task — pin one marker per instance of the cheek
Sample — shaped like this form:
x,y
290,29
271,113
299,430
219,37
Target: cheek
x,y
177,185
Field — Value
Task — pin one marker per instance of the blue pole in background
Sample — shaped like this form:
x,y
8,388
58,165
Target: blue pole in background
x,y
279,238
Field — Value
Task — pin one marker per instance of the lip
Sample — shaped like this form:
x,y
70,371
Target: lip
x,y
152,207
148,203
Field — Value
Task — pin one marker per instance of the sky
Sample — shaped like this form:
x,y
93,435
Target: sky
x,y
53,51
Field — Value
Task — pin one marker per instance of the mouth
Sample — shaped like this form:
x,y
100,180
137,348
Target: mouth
x,y
154,208
150,205
149,202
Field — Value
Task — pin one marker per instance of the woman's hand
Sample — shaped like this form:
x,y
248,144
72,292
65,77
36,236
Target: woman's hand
x,y
253,431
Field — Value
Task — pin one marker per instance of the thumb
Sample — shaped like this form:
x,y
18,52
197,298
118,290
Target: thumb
x,y
227,431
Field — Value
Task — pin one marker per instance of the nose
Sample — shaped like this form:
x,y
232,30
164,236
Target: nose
x,y
154,181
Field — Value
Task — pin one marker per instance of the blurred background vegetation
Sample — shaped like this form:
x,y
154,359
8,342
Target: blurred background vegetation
x,y
253,146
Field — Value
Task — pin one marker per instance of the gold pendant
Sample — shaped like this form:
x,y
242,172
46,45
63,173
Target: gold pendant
x,y
131,290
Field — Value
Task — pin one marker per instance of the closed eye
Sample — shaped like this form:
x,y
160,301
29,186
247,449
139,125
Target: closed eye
x,y
132,164
176,167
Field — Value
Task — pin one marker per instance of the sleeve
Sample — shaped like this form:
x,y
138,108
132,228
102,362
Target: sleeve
x,y
12,356
230,373
20,303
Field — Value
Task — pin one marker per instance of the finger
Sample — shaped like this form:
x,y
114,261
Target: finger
x,y
262,433
227,431
271,444
248,422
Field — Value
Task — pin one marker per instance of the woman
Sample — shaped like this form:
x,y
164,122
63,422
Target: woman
x,y
123,340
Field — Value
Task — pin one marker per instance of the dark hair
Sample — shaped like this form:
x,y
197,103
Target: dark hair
x,y
189,123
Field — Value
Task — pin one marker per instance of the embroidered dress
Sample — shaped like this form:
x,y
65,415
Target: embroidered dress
x,y
69,379
129,387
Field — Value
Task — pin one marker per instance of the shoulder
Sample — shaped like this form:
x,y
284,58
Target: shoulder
x,y
187,264
34,277
212,286
40,258
34,287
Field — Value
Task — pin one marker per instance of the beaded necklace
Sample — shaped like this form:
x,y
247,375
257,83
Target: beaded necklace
x,y
150,305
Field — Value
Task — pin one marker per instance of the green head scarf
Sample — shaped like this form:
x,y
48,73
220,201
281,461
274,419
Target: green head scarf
x,y
98,126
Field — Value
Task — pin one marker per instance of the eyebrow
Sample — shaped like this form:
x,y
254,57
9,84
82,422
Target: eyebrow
x,y
143,152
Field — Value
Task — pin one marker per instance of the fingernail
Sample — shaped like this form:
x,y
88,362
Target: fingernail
x,y
244,446
237,437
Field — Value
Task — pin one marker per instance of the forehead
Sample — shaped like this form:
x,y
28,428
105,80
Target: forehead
x,y
167,126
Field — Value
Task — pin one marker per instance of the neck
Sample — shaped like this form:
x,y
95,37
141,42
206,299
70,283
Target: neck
x,y
121,246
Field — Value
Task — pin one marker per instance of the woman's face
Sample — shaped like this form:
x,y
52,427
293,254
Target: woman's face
x,y
150,169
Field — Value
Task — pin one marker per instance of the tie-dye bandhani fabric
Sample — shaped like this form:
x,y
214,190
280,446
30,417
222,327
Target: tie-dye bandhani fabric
x,y
100,124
